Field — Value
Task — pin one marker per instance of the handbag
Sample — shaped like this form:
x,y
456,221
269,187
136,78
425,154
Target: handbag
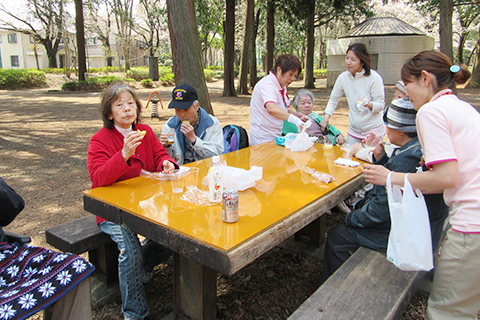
x,y
409,242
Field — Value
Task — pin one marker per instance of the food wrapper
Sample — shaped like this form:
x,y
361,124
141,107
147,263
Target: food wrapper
x,y
177,173
318,175
197,197
361,104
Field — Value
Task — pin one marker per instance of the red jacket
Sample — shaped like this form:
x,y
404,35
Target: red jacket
x,y
105,162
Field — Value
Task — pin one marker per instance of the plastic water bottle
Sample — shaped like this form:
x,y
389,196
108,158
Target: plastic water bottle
x,y
215,181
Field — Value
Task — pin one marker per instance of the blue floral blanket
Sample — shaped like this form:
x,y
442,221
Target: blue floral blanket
x,y
32,278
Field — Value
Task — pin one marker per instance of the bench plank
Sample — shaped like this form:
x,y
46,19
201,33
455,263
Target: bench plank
x,y
77,236
366,286
84,235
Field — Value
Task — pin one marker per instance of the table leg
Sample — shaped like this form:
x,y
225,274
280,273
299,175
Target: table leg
x,y
313,232
195,288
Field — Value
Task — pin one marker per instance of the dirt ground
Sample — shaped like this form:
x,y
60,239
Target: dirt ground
x,y
43,148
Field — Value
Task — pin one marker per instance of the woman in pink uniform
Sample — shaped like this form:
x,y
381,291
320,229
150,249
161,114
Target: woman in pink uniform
x,y
269,105
448,129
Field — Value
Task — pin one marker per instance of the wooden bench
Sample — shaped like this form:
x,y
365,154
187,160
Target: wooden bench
x,y
84,235
366,286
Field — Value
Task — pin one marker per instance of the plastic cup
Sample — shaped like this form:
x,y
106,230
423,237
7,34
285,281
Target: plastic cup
x,y
372,141
347,152
328,142
177,184
191,180
170,141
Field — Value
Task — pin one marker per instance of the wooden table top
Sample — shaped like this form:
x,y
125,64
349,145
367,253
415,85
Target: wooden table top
x,y
284,189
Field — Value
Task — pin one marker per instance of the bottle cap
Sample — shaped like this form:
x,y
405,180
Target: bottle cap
x,y
216,159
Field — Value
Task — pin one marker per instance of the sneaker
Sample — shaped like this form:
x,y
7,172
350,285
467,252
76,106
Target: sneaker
x,y
343,208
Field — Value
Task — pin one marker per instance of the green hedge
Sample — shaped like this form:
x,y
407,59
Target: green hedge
x,y
320,73
93,83
105,70
147,83
21,78
138,73
167,79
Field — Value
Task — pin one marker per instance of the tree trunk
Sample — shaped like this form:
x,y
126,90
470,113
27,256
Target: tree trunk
x,y
253,51
186,49
247,30
270,36
320,49
36,55
475,80
446,11
461,46
229,57
308,73
82,61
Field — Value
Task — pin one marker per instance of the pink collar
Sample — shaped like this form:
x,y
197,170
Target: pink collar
x,y
441,93
279,87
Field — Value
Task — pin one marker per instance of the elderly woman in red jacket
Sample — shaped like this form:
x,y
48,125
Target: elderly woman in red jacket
x,y
118,152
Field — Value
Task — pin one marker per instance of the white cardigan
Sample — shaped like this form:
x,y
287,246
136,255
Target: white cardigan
x,y
358,88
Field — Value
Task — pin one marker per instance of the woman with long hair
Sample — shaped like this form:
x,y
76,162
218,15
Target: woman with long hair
x,y
363,88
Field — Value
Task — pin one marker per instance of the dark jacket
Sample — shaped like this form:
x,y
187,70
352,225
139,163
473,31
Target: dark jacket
x,y
11,203
370,222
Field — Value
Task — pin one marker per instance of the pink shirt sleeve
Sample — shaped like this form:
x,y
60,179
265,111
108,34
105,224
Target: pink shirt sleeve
x,y
434,135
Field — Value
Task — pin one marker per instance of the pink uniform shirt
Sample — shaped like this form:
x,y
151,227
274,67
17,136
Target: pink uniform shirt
x,y
263,126
449,130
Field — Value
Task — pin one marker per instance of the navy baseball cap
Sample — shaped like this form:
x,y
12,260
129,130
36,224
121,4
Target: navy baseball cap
x,y
183,97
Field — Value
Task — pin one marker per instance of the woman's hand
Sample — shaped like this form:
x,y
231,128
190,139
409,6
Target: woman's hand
x,y
168,166
375,174
301,115
130,144
340,139
324,123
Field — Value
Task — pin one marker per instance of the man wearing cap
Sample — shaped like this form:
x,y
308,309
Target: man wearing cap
x,y
197,135
368,224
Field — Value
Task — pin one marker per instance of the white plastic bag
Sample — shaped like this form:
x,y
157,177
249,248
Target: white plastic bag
x,y
301,143
241,179
410,242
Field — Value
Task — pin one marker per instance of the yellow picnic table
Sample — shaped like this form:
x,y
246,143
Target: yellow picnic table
x,y
284,201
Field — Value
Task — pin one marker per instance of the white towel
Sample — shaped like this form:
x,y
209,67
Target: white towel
x,y
346,162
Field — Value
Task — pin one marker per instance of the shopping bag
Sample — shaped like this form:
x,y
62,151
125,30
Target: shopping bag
x,y
410,242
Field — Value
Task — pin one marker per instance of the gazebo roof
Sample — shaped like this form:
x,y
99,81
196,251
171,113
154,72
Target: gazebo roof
x,y
382,25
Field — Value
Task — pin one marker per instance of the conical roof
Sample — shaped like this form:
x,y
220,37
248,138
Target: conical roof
x,y
381,26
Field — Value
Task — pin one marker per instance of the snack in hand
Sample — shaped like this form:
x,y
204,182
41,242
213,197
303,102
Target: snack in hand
x,y
142,132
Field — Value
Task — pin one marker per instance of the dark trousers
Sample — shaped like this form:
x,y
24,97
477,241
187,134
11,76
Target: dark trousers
x,y
339,247
154,253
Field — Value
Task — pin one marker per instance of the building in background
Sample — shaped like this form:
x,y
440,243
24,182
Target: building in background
x,y
389,40
20,51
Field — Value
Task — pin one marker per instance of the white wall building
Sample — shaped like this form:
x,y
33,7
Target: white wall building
x,y
390,41
17,51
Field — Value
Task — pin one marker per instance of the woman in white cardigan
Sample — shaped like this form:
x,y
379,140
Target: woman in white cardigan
x,y
363,88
